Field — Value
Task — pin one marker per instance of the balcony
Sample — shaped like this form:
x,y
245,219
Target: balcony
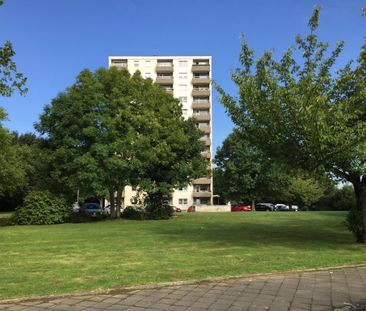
x,y
206,141
202,117
202,194
202,181
169,91
164,80
201,105
206,154
205,129
201,80
119,65
200,68
164,67
201,92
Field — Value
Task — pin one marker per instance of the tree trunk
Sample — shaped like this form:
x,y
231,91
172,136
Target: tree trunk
x,y
119,201
360,193
253,205
112,202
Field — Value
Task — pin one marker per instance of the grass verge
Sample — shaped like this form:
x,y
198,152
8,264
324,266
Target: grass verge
x,y
43,260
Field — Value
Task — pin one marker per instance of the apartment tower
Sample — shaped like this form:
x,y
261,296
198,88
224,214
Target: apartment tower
x,y
187,78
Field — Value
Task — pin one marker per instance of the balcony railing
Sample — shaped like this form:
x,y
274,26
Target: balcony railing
x,y
164,79
202,181
202,194
202,116
119,65
200,105
201,80
201,92
164,67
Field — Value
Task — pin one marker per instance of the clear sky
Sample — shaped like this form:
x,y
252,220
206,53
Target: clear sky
x,y
55,40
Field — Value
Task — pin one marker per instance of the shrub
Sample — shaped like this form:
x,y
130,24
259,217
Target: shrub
x,y
160,212
134,212
354,223
79,216
42,208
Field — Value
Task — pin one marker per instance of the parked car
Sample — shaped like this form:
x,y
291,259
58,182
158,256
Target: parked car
x,y
286,208
177,209
94,210
282,207
268,207
240,208
191,209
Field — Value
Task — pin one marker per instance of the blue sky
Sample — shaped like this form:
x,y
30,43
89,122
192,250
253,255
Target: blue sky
x,y
55,40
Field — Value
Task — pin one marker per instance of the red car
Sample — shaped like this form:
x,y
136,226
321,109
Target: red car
x,y
241,208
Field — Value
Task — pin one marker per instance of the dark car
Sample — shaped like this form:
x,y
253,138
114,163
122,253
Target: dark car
x,y
240,208
268,207
94,210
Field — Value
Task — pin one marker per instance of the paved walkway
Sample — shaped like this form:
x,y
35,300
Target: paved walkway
x,y
334,289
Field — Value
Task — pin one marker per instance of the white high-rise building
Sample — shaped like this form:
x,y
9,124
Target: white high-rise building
x,y
187,78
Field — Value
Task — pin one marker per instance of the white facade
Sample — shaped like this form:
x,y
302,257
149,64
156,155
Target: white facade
x,y
188,78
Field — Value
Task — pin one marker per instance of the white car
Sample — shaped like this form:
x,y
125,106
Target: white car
x,y
286,208
282,207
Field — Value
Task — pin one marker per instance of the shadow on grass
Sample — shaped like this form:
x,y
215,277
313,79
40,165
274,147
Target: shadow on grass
x,y
293,233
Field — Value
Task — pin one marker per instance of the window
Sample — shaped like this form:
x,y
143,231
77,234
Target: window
x,y
184,112
147,74
136,63
183,201
182,75
183,87
183,64
147,63
182,189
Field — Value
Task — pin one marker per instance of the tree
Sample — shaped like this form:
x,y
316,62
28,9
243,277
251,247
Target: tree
x,y
244,173
10,79
13,171
111,129
303,191
303,114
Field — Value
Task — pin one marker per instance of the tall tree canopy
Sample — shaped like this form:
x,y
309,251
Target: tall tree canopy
x,y
302,113
245,173
111,129
10,79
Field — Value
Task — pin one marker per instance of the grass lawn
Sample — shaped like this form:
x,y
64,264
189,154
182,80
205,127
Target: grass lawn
x,y
41,260
6,214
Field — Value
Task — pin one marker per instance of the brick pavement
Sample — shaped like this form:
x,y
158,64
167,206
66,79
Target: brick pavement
x,y
334,289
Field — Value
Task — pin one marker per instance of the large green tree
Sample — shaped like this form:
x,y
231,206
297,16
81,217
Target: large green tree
x,y
111,129
12,170
10,79
244,173
303,113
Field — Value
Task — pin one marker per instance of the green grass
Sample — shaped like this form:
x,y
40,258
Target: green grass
x,y
6,214
41,260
